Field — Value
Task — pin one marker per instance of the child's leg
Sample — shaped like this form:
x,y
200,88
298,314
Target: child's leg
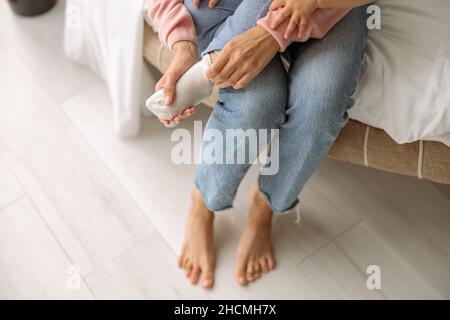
x,y
208,21
243,19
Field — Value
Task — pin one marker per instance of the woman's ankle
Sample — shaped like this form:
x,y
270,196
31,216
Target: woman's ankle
x,y
261,207
198,202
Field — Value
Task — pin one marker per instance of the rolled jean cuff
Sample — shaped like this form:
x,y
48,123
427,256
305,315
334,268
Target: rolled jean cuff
x,y
215,45
220,40
214,207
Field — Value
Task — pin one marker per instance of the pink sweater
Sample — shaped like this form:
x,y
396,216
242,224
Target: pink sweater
x,y
176,23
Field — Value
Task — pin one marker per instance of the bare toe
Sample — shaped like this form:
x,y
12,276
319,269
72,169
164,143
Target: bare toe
x,y
250,271
181,259
241,274
195,275
264,266
256,270
270,262
207,278
188,269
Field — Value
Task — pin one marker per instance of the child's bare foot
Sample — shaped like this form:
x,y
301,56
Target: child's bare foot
x,y
254,255
197,256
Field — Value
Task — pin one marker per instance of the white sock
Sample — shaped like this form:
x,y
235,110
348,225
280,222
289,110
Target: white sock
x,y
192,88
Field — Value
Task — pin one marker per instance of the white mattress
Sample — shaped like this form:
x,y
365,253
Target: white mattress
x,y
404,87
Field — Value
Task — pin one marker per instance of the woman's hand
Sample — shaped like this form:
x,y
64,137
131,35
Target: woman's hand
x,y
185,56
243,58
299,12
211,3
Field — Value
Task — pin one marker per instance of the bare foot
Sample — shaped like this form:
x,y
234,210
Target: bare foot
x,y
197,256
254,255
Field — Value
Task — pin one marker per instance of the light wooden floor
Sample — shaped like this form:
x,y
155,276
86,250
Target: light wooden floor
x,y
73,193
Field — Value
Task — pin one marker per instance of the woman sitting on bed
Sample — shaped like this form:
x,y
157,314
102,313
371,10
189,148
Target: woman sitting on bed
x,y
240,42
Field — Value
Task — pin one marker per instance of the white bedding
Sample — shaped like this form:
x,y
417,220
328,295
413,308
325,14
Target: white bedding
x,y
404,87
107,36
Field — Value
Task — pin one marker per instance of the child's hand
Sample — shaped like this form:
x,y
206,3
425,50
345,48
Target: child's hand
x,y
298,11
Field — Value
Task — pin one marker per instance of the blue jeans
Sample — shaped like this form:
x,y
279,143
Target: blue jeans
x,y
308,103
216,27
